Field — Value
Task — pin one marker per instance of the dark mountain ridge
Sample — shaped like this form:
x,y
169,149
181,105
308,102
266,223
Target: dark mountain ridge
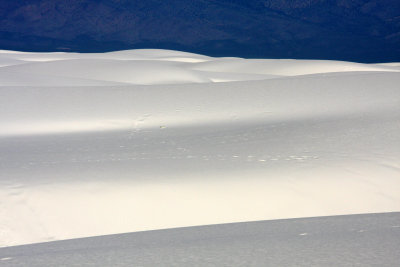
x,y
356,30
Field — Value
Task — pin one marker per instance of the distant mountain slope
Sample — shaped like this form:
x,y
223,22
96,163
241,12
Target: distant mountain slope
x,y
357,30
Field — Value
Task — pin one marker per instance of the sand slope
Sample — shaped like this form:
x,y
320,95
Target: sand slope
x,y
94,144
356,240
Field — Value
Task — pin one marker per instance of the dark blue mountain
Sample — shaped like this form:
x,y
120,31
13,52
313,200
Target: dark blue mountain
x,y
356,30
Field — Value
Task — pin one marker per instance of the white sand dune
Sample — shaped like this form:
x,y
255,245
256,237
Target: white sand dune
x,y
285,67
354,240
94,144
10,78
127,71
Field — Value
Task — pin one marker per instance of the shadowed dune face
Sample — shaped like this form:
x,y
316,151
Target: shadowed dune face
x,y
367,240
102,143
